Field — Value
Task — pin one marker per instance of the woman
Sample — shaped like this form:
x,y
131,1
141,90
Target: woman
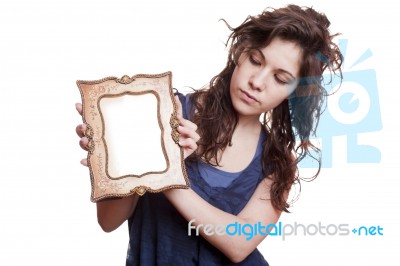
x,y
240,169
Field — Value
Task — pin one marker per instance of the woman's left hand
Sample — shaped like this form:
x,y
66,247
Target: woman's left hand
x,y
188,136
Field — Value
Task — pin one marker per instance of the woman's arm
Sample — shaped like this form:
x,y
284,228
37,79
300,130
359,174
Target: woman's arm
x,y
111,213
236,248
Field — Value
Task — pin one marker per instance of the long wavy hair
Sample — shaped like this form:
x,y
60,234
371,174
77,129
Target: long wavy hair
x,y
297,116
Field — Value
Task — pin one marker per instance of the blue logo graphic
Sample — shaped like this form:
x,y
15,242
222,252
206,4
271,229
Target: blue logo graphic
x,y
351,109
249,231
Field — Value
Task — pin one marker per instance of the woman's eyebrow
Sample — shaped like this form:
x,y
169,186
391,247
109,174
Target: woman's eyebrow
x,y
261,53
287,72
279,69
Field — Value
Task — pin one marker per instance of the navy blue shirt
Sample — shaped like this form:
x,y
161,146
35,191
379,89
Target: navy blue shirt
x,y
158,232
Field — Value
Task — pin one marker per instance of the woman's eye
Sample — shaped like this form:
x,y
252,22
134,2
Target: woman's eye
x,y
254,61
280,80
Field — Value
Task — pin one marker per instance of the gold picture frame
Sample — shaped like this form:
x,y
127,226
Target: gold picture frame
x,y
133,142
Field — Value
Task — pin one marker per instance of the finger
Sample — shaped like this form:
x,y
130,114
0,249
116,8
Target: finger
x,y
78,107
178,107
188,133
84,162
80,130
187,123
83,142
189,146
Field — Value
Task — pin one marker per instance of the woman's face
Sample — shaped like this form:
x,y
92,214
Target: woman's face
x,y
263,78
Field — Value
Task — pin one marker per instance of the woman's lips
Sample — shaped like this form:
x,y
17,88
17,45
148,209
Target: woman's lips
x,y
247,97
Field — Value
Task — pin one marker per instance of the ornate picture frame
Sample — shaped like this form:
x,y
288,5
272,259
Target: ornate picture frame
x,y
133,143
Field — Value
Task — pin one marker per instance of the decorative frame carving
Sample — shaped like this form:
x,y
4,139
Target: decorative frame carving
x,y
97,97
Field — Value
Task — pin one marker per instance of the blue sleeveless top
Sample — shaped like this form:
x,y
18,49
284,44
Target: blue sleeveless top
x,y
159,234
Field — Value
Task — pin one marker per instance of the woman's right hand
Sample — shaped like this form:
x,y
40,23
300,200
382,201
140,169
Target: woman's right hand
x,y
80,131
110,213
187,130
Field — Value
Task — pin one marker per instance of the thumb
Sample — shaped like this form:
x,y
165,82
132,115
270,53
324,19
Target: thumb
x,y
78,107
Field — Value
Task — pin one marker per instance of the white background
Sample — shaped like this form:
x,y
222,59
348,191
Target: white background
x,y
45,46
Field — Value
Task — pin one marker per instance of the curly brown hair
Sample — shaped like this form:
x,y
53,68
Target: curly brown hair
x,y
297,116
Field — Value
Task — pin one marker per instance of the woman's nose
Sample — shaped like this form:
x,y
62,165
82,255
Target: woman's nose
x,y
258,81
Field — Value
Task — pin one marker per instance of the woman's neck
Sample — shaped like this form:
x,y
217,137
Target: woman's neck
x,y
247,127
248,124
244,142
